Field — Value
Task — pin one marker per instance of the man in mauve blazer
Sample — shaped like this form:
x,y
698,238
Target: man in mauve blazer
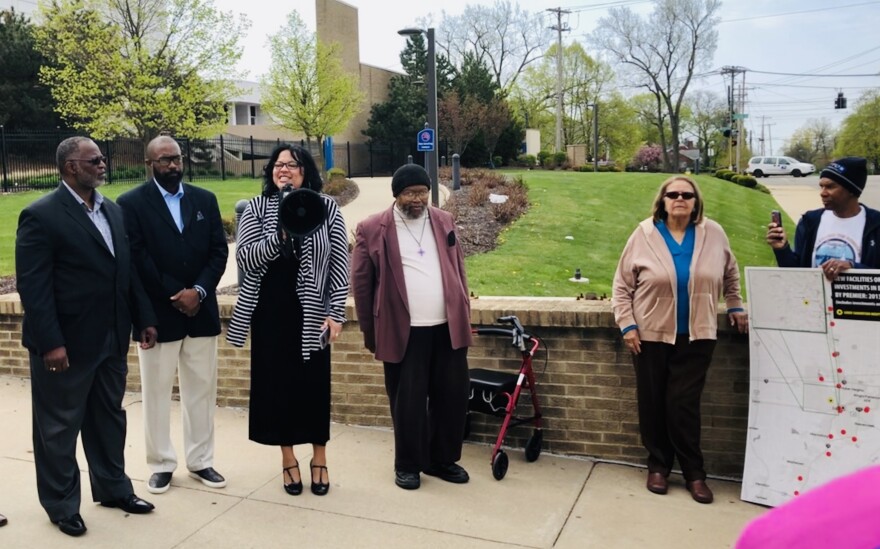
x,y
180,249
80,296
413,306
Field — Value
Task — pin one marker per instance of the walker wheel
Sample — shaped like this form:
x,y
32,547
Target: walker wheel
x,y
499,465
533,446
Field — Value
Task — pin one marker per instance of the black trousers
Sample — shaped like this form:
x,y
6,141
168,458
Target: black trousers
x,y
669,384
428,392
87,399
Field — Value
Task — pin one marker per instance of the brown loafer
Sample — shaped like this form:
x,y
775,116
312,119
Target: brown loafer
x,y
657,483
700,491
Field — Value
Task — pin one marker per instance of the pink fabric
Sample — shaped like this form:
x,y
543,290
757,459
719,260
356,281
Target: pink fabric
x,y
843,513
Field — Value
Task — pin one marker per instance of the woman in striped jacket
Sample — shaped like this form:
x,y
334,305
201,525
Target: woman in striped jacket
x,y
294,288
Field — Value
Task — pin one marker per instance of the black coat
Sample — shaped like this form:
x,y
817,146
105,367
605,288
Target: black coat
x,y
169,261
72,288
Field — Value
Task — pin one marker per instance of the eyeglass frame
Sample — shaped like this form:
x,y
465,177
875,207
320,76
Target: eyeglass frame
x,y
413,193
93,161
292,165
166,161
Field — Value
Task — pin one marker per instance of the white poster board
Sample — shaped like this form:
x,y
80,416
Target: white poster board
x,y
814,387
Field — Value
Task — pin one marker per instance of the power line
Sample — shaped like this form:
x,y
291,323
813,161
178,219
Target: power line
x,y
814,75
798,12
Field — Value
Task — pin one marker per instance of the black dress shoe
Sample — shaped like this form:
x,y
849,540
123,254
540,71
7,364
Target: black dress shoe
x,y
294,488
319,488
72,526
159,483
407,481
3,520
209,477
450,473
130,504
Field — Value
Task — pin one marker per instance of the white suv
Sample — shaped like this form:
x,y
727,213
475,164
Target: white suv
x,y
765,166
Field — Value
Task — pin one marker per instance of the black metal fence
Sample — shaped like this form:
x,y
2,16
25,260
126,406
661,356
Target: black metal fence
x,y
27,159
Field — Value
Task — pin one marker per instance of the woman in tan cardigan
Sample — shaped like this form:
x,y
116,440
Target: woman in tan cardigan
x,y
674,268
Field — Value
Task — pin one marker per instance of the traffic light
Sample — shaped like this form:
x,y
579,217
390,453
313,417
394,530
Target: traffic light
x,y
840,101
726,132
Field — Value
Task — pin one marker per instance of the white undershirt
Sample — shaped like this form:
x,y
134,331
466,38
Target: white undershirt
x,y
839,238
421,269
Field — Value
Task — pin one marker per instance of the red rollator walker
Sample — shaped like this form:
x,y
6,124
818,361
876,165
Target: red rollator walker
x,y
496,393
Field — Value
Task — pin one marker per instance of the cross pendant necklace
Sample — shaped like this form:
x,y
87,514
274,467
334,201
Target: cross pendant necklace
x,y
421,236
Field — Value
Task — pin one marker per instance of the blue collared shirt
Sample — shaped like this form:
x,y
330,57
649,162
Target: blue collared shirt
x,y
173,203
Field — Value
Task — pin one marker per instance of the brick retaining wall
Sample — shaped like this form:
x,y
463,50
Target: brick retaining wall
x,y
586,387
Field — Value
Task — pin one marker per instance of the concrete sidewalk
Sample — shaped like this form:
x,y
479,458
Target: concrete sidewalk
x,y
555,502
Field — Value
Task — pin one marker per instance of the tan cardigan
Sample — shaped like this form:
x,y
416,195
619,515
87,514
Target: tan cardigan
x,y
644,289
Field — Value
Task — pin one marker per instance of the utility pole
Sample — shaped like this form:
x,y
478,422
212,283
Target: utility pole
x,y
735,118
559,28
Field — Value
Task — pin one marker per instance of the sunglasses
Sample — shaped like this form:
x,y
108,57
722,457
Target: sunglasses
x,y
674,195
93,161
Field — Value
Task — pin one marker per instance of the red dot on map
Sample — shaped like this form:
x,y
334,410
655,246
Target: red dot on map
x,y
830,309
843,431
832,323
800,477
855,439
840,409
867,409
835,353
830,435
839,385
797,493
828,454
840,370
821,378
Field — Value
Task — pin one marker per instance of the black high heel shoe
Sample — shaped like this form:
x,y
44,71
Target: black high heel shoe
x,y
294,488
319,488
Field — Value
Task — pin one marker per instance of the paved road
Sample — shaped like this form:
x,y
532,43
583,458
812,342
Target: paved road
x,y
870,196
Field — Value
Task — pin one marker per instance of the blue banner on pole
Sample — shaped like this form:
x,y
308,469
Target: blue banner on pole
x,y
425,140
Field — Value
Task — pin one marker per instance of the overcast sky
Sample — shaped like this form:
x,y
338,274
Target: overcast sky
x,y
810,37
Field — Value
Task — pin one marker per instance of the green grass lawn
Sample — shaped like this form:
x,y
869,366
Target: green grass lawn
x,y
600,211
228,193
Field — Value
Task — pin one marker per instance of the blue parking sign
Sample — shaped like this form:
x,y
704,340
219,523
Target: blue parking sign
x,y
425,140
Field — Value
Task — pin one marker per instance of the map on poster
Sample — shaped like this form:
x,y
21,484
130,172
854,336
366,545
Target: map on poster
x,y
814,387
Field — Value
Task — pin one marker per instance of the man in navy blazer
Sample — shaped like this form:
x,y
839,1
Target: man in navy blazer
x,y
180,249
80,297
413,306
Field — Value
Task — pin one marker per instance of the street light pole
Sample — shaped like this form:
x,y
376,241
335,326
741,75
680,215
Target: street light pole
x,y
431,78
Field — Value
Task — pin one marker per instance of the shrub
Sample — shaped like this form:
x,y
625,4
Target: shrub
x,y
497,161
334,173
479,193
526,160
543,157
748,181
559,158
517,202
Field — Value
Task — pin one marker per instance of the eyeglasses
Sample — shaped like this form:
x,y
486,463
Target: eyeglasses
x,y
674,195
289,165
93,161
166,161
412,193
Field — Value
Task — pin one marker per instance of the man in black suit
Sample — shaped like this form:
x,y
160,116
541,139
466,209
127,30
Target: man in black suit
x,y
180,250
80,295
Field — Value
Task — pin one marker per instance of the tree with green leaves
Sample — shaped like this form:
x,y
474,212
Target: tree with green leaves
x,y
137,68
25,103
661,52
707,116
813,142
399,119
306,89
858,135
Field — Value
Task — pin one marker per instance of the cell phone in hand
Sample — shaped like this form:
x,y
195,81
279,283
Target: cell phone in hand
x,y
324,338
776,217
